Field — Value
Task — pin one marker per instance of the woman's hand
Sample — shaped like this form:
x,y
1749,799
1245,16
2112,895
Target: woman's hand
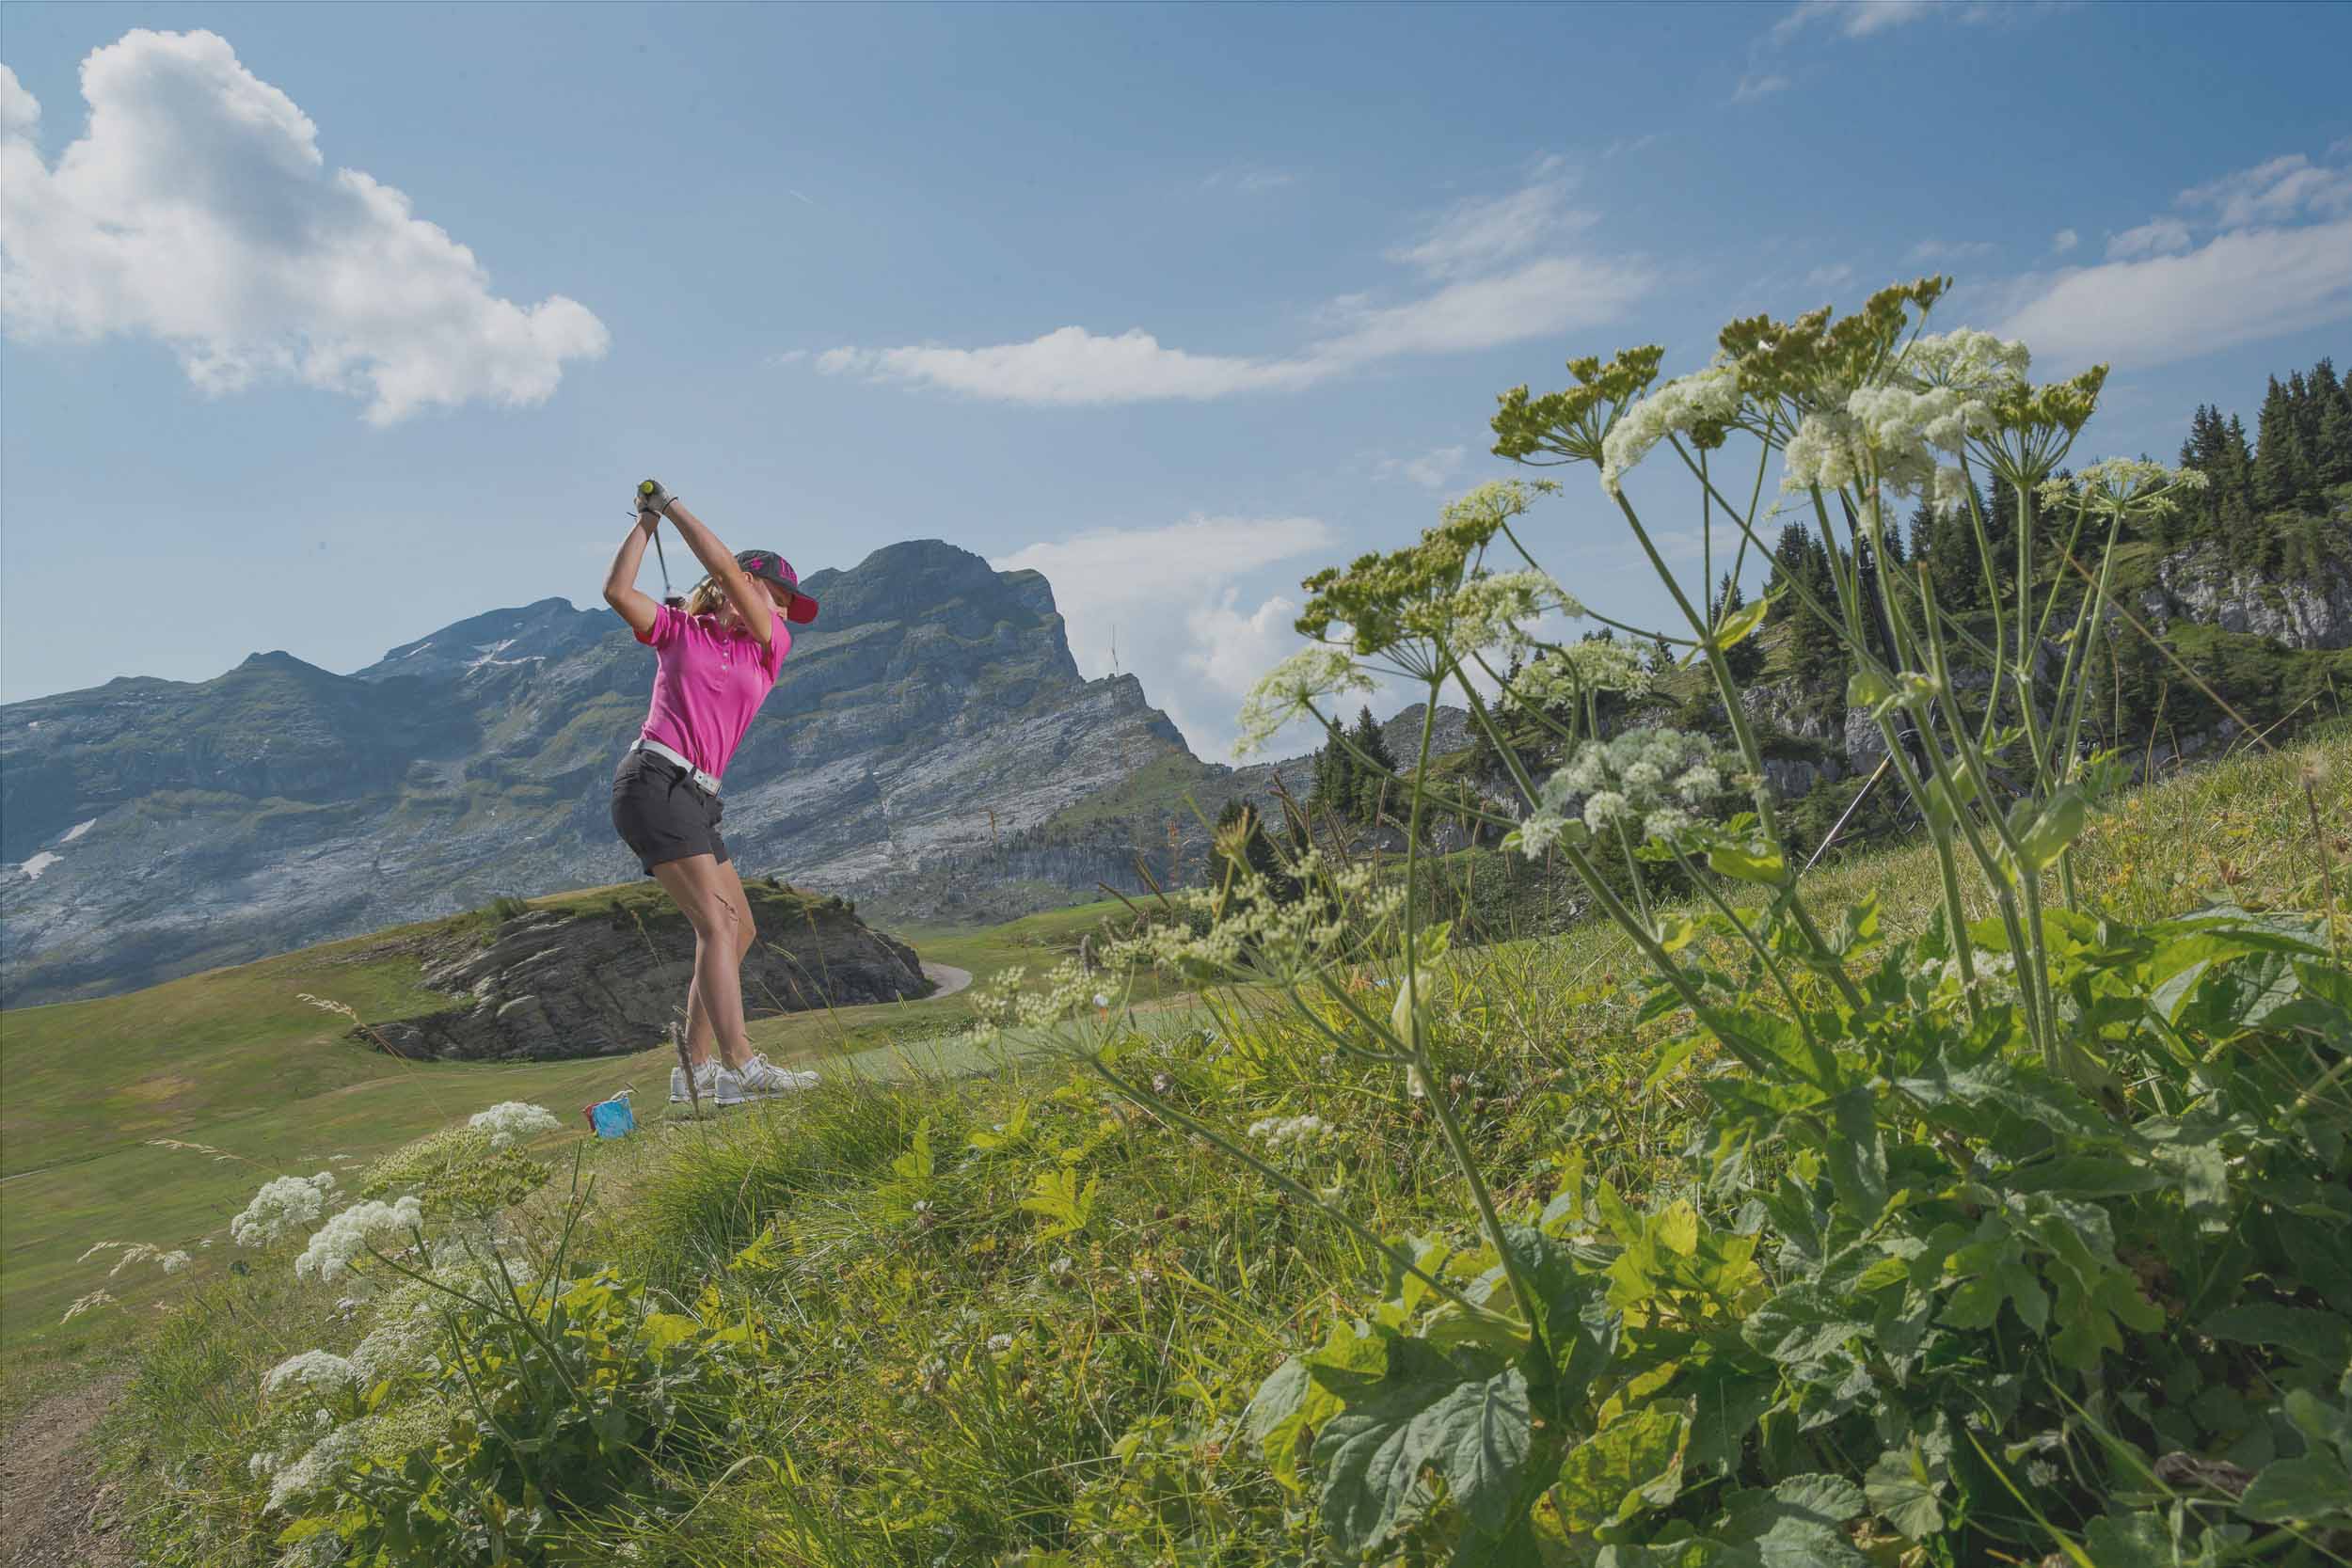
x,y
651,501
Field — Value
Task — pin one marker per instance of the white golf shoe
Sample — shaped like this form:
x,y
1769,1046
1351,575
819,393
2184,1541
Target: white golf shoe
x,y
763,1079
707,1085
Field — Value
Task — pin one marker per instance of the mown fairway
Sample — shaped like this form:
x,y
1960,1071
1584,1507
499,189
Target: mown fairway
x,y
237,1061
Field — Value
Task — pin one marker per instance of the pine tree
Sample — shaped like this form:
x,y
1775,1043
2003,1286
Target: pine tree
x,y
2328,432
1240,822
1788,563
1372,783
2274,452
1923,534
1332,789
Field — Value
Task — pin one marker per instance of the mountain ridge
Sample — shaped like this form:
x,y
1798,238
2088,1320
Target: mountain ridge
x,y
279,803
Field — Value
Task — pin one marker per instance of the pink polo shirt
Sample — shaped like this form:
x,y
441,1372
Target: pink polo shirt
x,y
709,684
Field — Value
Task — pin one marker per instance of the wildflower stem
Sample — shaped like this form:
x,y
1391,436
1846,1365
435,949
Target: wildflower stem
x,y
1520,1291
1307,1194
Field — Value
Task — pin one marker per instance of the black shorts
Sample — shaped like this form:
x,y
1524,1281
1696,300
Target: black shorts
x,y
660,815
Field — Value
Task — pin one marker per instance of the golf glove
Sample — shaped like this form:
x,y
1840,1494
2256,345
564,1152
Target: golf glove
x,y
652,498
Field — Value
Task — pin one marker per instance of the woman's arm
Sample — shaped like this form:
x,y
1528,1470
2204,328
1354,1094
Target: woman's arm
x,y
749,599
621,591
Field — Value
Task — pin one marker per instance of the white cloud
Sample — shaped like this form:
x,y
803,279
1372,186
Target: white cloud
x,y
1476,236
1947,250
1249,178
1857,18
2282,259
2064,241
1432,469
1836,277
2159,309
1499,278
1072,365
2156,237
198,210
1758,85
1168,596
2274,192
1232,649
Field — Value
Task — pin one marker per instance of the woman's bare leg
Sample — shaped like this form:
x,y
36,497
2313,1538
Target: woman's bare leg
x,y
710,895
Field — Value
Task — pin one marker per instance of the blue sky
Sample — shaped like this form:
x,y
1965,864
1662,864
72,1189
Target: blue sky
x,y
1175,305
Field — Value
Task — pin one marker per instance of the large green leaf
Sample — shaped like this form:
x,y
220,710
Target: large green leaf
x,y
1800,1523
1747,862
2305,1333
2129,1540
1903,1486
2315,1489
1636,1459
1732,629
2045,837
1803,1323
1284,1415
1474,1432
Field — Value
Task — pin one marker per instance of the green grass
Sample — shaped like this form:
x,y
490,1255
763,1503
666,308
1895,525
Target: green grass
x,y
235,1060
1154,1330
955,1383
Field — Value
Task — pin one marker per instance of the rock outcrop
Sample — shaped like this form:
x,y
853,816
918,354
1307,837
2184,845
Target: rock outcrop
x,y
2199,585
604,978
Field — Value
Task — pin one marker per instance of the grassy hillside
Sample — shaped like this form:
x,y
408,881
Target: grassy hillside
x,y
1013,1319
235,1059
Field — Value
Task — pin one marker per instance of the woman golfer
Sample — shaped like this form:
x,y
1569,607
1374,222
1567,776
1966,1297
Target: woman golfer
x,y
719,657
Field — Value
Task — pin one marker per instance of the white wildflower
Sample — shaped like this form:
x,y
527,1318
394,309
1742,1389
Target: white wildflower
x,y
1703,399
282,1207
318,1467
261,1465
1101,1001
512,1119
1820,452
1487,611
1059,1268
1602,808
312,1369
1288,691
173,1261
1538,831
348,1234
1278,1133
1698,784
999,1343
1665,824
1967,362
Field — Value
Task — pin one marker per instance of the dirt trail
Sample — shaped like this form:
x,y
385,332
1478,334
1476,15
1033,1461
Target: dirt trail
x,y
950,977
54,1512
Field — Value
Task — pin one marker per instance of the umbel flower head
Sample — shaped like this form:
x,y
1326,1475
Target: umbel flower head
x,y
512,1119
2124,487
351,1232
1435,592
1559,677
1645,781
1573,425
282,1207
1290,690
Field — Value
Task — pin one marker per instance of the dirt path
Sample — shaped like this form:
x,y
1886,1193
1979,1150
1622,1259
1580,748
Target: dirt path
x,y
949,978
55,1512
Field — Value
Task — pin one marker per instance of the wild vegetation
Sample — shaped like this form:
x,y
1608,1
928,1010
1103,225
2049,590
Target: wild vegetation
x,y
1983,1200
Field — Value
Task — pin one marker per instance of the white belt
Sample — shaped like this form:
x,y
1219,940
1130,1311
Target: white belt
x,y
707,782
